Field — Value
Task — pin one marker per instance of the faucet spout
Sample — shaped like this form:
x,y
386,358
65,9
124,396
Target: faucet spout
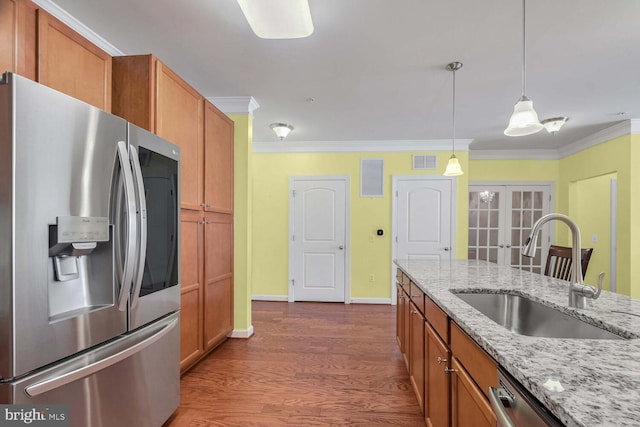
x,y
577,290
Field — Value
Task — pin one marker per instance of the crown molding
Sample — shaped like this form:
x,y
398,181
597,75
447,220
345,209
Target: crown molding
x,y
540,154
358,146
625,127
86,32
235,104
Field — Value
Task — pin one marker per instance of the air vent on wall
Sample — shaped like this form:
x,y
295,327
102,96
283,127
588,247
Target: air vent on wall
x,y
425,161
372,178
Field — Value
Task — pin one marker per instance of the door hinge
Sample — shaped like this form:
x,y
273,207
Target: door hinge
x,y
293,193
396,193
396,239
293,238
293,282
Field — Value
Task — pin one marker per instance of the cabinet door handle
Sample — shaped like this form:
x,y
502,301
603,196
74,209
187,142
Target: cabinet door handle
x,y
501,246
449,370
508,245
441,360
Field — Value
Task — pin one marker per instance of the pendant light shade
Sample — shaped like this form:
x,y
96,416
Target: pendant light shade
x,y
453,167
524,120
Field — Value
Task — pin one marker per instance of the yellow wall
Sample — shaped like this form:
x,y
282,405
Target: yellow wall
x,y
271,173
242,203
612,157
513,170
594,223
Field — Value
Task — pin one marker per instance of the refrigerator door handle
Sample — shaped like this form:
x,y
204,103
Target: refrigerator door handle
x,y
109,360
129,194
142,226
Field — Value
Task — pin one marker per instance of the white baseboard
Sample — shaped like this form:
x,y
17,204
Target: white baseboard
x,y
386,301
270,298
242,333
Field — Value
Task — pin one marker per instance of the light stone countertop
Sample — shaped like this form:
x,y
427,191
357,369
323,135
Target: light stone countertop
x,y
601,378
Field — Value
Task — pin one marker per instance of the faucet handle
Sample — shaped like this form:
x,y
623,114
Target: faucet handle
x,y
592,292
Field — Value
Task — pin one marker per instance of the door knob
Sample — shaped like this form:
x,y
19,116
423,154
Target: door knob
x,y
341,247
446,248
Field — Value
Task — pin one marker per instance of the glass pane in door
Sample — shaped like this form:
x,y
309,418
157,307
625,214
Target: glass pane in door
x,y
484,225
526,209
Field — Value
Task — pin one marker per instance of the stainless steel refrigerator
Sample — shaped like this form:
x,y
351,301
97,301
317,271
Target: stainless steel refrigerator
x,y
89,260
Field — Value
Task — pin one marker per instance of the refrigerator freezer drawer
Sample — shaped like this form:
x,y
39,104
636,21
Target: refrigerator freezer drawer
x,y
132,381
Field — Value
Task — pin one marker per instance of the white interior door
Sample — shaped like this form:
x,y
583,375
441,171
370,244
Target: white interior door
x,y
319,251
423,217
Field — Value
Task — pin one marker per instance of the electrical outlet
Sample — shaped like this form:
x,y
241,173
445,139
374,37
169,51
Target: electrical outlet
x,y
372,277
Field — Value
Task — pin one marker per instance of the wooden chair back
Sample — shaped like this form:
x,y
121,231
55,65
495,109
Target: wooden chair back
x,y
559,263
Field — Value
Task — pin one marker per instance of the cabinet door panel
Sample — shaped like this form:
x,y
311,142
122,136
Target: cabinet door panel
x,y
218,246
218,170
469,406
218,320
71,64
437,384
179,120
400,317
191,345
406,313
416,360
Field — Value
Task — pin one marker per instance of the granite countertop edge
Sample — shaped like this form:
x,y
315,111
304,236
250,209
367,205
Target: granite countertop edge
x,y
601,378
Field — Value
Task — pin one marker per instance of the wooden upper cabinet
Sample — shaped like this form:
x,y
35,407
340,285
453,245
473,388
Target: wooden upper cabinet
x,y
179,119
71,64
18,36
147,93
218,160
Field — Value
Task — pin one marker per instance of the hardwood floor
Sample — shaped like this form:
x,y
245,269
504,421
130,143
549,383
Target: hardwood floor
x,y
308,364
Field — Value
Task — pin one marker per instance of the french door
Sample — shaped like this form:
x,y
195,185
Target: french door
x,y
500,220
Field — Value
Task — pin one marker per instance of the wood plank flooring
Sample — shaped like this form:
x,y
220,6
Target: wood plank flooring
x,y
308,364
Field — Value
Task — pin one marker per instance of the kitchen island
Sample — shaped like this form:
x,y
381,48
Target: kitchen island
x,y
600,378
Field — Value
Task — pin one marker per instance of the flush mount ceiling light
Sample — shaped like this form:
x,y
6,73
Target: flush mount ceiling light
x,y
453,167
281,129
524,120
554,124
278,19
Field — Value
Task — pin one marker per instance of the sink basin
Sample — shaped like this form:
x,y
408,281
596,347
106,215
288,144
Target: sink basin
x,y
524,316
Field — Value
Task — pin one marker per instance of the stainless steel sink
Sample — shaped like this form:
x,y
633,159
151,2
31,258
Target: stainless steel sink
x,y
524,316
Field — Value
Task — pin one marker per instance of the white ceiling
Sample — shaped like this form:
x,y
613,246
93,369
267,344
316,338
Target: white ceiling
x,y
376,68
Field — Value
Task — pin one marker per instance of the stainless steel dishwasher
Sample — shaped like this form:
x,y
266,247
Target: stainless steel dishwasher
x,y
514,406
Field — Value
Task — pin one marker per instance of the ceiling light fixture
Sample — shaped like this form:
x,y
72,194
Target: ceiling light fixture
x,y
281,129
524,120
278,19
554,124
453,167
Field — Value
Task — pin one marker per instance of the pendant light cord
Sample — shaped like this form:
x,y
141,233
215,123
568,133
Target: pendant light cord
x,y
524,47
453,114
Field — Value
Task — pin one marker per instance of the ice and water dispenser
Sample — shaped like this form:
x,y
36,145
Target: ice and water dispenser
x,y
81,256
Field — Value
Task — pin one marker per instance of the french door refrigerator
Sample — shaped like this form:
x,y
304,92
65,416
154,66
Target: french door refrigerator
x,y
89,260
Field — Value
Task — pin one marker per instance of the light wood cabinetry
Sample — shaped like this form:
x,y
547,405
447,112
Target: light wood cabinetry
x,y
218,160
191,330
469,406
416,348
218,314
71,64
437,394
149,94
18,32
450,374
38,46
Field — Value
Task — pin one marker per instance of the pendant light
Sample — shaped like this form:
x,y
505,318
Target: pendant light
x,y
524,120
453,167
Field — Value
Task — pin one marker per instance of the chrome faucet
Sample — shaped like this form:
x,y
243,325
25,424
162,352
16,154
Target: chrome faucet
x,y
578,291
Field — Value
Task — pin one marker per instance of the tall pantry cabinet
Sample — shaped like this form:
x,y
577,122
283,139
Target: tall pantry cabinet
x,y
147,93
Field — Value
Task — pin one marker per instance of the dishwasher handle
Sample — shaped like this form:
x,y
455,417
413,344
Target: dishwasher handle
x,y
497,397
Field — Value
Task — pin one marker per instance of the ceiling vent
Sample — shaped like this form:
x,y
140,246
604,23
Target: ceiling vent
x,y
425,161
